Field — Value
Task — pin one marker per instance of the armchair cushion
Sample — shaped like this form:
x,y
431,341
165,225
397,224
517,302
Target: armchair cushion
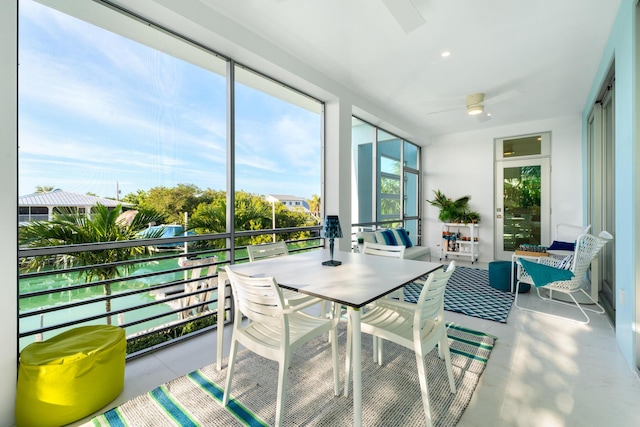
x,y
542,274
562,246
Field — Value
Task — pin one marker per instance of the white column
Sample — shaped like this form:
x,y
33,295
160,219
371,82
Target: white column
x,y
337,166
8,215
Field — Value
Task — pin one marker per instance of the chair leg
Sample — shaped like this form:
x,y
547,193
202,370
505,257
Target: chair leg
x,y
443,346
380,341
574,303
282,387
422,376
375,348
232,361
515,301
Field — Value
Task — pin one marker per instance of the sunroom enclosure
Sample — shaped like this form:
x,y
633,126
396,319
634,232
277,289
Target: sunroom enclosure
x,y
176,115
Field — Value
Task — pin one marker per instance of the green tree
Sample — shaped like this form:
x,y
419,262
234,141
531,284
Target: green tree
x,y
315,205
101,226
45,189
171,203
252,212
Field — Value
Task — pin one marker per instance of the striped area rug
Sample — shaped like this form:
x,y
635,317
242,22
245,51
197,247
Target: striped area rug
x,y
391,393
468,292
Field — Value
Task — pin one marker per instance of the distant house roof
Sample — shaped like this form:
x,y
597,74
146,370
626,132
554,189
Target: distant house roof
x,y
291,202
284,197
65,199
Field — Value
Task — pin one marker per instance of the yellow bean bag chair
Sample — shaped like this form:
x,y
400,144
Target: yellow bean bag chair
x,y
70,376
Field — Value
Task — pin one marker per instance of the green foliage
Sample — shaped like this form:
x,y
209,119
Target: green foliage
x,y
252,212
101,226
523,191
170,203
454,210
166,334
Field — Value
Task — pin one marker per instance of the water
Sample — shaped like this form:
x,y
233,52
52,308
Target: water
x,y
59,299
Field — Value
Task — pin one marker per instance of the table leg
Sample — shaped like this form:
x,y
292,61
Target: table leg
x,y
513,261
222,299
354,318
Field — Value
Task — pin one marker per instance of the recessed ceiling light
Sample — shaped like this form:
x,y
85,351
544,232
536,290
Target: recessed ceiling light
x,y
445,54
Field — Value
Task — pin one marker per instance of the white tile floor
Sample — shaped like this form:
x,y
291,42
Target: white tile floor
x,y
542,372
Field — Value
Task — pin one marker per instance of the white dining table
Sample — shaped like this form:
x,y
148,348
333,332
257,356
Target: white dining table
x,y
360,280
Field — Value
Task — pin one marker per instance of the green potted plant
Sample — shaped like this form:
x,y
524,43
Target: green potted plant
x,y
454,210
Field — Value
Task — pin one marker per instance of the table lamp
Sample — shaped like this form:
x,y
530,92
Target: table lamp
x,y
331,230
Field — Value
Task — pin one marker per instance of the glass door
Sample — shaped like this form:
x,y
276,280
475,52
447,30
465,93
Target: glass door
x,y
522,196
601,194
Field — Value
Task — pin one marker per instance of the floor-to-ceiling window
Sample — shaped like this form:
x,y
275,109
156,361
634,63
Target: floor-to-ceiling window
x,y
385,179
123,110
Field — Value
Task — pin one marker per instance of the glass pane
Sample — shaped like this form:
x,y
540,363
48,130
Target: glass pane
x,y
411,153
362,135
412,228
525,146
92,122
522,200
277,155
389,173
410,194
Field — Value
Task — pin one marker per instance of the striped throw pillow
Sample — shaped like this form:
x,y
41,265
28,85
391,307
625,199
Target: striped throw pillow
x,y
402,237
386,237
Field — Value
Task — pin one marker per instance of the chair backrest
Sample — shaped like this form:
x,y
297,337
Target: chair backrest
x,y
193,269
431,300
257,298
587,247
267,250
570,233
383,250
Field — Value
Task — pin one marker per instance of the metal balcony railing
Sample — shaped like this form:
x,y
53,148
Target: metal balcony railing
x,y
150,297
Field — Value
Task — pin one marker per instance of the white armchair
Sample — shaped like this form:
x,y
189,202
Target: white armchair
x,y
546,274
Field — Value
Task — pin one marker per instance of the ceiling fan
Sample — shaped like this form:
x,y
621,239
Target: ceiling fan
x,y
405,13
476,103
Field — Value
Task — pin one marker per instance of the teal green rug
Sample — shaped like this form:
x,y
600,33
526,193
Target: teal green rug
x,y
391,393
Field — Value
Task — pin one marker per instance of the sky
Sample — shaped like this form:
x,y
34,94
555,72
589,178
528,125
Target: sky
x,y
99,112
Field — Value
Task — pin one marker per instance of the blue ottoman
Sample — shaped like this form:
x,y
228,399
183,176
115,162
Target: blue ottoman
x,y
500,276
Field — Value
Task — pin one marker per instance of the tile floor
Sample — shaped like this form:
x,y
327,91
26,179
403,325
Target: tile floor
x,y
543,371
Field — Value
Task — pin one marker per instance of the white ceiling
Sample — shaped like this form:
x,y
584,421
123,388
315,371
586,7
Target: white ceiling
x,y
541,55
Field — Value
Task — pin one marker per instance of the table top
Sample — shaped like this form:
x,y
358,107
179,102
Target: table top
x,y
360,280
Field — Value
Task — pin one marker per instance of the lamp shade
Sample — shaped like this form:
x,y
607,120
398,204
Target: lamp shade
x,y
331,228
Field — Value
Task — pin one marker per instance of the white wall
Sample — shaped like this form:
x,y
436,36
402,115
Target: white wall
x,y
463,163
8,215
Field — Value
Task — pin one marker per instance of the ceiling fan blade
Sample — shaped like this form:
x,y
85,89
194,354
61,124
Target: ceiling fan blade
x,y
445,110
405,13
502,97
483,117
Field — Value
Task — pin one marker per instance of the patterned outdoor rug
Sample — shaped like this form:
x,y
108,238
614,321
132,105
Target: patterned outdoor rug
x,y
391,393
468,292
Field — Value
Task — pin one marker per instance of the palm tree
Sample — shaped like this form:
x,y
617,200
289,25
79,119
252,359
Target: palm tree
x,y
314,205
101,226
45,189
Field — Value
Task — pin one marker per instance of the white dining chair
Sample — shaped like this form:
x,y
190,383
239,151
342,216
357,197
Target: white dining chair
x,y
389,251
193,272
418,327
277,249
272,330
